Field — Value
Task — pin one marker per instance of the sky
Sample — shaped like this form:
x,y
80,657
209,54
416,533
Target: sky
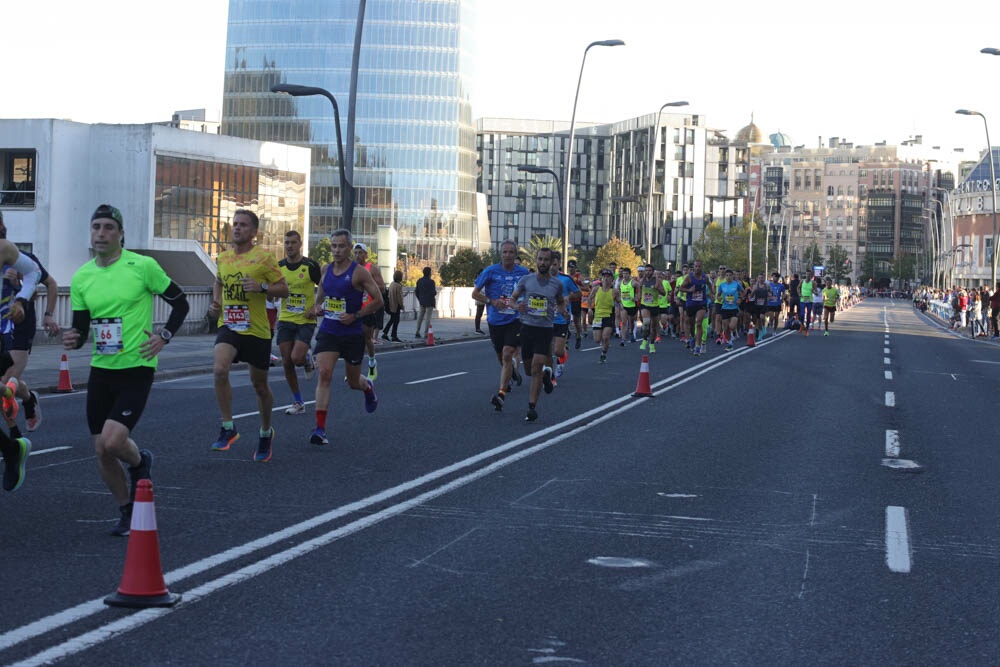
x,y
864,71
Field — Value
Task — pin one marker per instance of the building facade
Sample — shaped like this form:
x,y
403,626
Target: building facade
x,y
966,258
413,154
177,191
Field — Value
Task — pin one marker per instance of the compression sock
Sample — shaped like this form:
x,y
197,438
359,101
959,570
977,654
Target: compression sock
x,y
297,396
321,419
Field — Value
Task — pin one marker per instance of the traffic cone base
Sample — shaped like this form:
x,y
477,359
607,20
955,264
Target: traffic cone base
x,y
65,385
142,582
642,389
430,335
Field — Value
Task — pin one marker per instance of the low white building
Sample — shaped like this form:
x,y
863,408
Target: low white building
x,y
177,191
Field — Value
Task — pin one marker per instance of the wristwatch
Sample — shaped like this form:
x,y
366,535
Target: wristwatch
x,y
165,334
263,288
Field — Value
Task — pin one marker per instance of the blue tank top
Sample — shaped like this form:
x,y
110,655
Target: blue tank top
x,y
699,294
340,296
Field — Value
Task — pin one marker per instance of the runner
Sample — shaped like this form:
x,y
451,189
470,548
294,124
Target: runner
x,y
668,312
538,296
493,287
560,329
604,297
806,288
717,325
650,292
112,295
680,302
729,292
776,291
373,322
576,305
757,298
295,326
831,299
695,287
627,288
341,331
247,276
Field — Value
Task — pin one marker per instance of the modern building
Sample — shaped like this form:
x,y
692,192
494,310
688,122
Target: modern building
x,y
412,151
177,191
610,182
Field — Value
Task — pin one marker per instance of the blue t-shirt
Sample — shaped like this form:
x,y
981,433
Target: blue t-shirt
x,y
569,286
730,292
776,289
496,283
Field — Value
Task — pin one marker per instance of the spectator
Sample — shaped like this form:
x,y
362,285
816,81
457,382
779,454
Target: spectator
x,y
995,311
394,306
426,292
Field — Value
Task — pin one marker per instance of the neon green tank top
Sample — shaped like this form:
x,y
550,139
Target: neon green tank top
x,y
604,302
628,294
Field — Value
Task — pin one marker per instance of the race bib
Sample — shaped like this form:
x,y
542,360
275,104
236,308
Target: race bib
x,y
647,298
729,298
334,308
237,317
295,303
107,335
538,306
698,295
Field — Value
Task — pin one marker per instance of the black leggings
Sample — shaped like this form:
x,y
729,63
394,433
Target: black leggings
x,y
393,325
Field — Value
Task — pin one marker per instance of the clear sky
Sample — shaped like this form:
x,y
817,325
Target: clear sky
x,y
865,71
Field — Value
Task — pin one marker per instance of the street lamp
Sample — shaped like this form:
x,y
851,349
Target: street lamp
x,y
993,189
531,169
569,149
346,170
652,171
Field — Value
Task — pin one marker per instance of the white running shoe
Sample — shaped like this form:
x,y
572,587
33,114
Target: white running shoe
x,y
295,408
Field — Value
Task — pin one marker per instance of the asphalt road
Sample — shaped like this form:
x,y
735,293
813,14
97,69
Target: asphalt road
x,y
807,501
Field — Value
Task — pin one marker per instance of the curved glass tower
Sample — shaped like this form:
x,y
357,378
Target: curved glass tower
x,y
414,144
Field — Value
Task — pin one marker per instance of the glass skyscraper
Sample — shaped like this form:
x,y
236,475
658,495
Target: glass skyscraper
x,y
415,143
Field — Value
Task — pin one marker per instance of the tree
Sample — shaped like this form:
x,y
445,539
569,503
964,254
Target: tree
x,y
811,257
322,252
461,270
839,266
617,251
716,247
538,242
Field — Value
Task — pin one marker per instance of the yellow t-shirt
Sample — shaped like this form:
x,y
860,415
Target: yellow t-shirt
x,y
302,280
244,313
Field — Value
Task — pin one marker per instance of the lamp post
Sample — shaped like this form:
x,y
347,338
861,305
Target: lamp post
x,y
652,172
993,189
346,170
947,232
531,169
932,221
569,148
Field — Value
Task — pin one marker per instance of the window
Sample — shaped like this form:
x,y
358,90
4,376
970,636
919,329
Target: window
x,y
17,177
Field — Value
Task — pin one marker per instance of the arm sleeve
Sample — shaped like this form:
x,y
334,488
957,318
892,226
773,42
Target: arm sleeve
x,y
28,282
81,322
179,306
314,273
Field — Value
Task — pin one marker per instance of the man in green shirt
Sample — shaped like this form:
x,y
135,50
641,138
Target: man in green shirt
x,y
112,297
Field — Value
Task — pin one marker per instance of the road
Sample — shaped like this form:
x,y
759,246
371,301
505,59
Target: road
x,y
809,500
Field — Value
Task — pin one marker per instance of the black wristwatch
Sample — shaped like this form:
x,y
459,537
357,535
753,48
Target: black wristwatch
x,y
165,335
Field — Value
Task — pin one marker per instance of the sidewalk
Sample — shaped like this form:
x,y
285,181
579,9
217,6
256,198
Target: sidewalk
x,y
191,355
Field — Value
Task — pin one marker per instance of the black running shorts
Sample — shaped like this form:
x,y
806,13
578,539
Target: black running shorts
x,y
118,395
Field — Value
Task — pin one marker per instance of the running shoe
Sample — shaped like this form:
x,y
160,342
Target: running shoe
x,y
263,453
622,343
385,336
658,338
718,341
825,333
309,368
33,412
547,379
559,370
604,358
697,350
318,437
13,468
9,402
652,348
643,344
729,346
579,342
497,401
295,408
140,471
371,399
516,376
124,525
531,416
373,370
227,436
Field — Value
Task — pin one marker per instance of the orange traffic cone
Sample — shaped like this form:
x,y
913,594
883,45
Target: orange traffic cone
x,y
142,583
430,335
642,389
65,386
751,337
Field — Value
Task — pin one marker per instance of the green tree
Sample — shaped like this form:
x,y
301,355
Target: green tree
x,y
716,247
617,251
322,252
462,268
811,257
838,266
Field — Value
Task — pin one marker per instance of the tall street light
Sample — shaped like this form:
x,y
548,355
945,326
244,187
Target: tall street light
x,y
531,169
993,189
346,187
569,149
652,172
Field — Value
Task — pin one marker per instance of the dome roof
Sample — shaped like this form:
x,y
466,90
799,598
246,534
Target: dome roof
x,y
751,134
779,139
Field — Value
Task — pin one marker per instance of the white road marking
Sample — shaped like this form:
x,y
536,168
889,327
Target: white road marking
x,y
892,443
885,350
886,361
890,399
897,540
901,464
276,408
36,452
439,377
888,375
981,361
